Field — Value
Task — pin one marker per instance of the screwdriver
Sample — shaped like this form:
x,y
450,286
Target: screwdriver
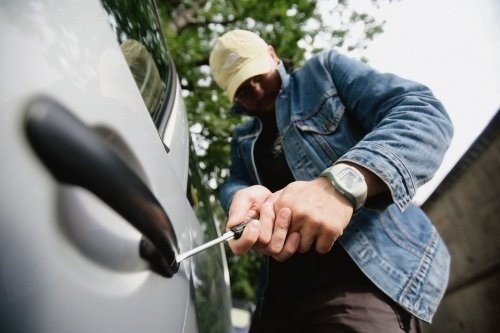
x,y
235,232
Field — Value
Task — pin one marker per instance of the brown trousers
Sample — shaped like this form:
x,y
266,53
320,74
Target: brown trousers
x,y
351,304
335,310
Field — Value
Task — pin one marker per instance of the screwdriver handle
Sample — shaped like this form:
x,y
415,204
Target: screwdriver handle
x,y
238,230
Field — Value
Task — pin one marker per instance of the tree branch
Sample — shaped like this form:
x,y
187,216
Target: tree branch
x,y
184,16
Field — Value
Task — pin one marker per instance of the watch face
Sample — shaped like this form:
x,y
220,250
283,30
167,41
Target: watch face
x,y
349,178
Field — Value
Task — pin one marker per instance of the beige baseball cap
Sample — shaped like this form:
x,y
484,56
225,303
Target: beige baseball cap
x,y
237,56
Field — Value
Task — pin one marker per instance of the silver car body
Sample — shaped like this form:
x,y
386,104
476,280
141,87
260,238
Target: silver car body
x,y
68,262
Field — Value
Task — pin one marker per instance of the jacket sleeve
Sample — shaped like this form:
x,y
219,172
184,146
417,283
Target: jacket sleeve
x,y
237,177
406,129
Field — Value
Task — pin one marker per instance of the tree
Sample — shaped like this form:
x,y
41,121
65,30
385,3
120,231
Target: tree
x,y
296,29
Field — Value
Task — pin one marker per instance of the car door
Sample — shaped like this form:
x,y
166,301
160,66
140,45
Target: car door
x,y
94,174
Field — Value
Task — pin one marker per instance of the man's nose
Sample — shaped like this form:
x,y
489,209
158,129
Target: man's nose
x,y
256,89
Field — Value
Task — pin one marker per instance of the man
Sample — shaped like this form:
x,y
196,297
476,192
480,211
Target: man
x,y
327,168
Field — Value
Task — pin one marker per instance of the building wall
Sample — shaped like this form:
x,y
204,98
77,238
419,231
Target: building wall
x,y
465,208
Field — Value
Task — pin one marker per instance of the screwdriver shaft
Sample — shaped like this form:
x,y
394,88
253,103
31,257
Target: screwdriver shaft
x,y
235,232
226,236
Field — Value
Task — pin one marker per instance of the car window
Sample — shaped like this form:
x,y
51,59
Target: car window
x,y
139,34
137,30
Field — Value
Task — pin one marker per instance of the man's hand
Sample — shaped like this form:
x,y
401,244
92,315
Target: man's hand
x,y
293,219
319,213
268,233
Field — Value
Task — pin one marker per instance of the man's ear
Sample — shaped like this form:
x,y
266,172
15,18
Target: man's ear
x,y
273,55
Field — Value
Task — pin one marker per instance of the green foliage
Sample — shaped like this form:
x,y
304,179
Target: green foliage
x,y
296,29
244,273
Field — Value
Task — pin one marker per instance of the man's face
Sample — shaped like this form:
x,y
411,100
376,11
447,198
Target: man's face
x,y
258,94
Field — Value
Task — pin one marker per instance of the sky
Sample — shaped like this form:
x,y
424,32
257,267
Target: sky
x,y
453,47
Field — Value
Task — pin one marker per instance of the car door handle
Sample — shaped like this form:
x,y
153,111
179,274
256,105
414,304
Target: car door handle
x,y
76,155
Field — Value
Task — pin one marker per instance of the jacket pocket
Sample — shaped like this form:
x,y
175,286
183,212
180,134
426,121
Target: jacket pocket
x,y
325,129
323,117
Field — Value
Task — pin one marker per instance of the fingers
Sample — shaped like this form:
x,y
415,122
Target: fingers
x,y
266,225
246,203
280,231
290,247
326,239
274,196
307,238
321,236
259,232
269,235
248,238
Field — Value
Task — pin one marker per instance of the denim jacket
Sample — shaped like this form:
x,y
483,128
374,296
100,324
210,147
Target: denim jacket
x,y
336,109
